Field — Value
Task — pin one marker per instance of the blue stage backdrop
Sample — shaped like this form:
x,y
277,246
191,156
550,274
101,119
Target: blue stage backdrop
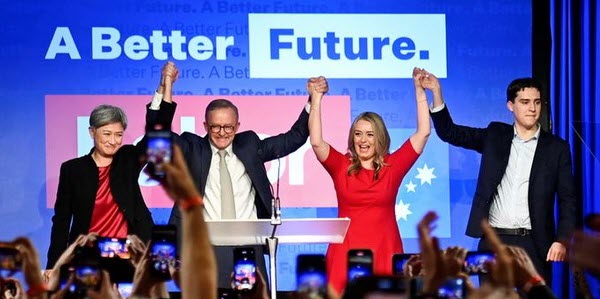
x,y
60,58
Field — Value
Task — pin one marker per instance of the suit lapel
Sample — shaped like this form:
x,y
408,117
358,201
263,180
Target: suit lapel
x,y
89,181
241,154
505,145
538,157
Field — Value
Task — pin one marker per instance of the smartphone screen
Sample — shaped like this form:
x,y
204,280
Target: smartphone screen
x,y
244,269
113,248
475,262
86,269
398,261
163,250
453,288
311,276
159,150
125,289
360,263
87,277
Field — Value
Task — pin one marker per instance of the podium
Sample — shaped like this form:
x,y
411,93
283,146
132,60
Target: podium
x,y
235,232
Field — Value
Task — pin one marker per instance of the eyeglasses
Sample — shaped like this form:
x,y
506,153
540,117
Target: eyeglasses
x,y
217,128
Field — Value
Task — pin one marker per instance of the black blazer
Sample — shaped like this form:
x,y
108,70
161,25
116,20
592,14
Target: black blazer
x,y
551,175
76,195
247,146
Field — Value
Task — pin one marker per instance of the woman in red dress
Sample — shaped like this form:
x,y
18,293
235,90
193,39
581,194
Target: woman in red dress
x,y
367,179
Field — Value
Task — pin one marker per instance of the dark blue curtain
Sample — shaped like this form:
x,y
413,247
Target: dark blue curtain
x,y
575,102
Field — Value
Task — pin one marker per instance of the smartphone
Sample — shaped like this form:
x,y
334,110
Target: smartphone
x,y
311,276
86,270
244,269
159,150
475,262
389,284
453,288
163,250
10,260
113,248
87,277
398,261
360,263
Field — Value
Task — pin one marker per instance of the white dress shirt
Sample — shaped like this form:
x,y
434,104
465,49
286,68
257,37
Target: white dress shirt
x,y
510,207
243,191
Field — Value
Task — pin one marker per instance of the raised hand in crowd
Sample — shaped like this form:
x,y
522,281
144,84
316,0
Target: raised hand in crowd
x,y
501,270
438,265
525,274
501,274
106,289
63,292
136,248
31,269
144,283
454,258
435,271
585,246
198,263
11,288
52,276
413,266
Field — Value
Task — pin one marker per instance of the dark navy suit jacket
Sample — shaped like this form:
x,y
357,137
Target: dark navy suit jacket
x,y
551,175
247,146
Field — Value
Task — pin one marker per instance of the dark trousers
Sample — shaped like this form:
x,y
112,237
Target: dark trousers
x,y
224,255
543,267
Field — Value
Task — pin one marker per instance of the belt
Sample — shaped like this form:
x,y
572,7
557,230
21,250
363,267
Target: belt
x,y
513,231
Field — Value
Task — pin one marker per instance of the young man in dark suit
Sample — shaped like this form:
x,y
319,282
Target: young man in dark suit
x,y
245,154
523,169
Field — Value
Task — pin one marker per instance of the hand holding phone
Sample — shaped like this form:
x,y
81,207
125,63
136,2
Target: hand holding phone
x,y
159,150
244,269
311,276
87,277
399,261
86,270
163,249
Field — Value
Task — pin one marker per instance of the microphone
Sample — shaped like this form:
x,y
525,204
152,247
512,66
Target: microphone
x,y
275,202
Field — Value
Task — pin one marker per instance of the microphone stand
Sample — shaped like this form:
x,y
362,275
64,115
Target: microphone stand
x,y
273,241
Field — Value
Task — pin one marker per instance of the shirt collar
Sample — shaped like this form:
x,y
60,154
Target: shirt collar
x,y
535,136
228,150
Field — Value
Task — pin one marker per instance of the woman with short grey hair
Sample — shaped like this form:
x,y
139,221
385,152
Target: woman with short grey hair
x,y
99,192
